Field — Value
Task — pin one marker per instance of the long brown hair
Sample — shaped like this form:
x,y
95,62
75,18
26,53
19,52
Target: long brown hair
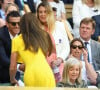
x,y
33,36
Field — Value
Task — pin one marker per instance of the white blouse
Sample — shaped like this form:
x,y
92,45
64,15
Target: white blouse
x,y
61,40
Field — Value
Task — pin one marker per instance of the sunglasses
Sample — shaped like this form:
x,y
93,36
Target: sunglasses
x,y
14,23
75,46
54,9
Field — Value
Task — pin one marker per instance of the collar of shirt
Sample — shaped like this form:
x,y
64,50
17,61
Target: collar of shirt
x,y
86,41
11,36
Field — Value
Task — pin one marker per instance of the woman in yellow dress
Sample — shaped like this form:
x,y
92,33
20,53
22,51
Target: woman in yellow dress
x,y
32,46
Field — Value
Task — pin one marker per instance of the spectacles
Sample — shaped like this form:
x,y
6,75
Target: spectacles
x,y
14,23
75,46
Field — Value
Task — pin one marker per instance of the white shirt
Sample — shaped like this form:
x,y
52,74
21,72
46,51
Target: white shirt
x,y
61,40
11,36
83,72
89,49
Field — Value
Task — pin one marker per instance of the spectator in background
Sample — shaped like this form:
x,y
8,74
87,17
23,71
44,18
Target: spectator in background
x,y
49,24
82,9
72,75
96,35
9,7
87,28
19,4
31,5
79,51
32,45
4,3
57,32
61,12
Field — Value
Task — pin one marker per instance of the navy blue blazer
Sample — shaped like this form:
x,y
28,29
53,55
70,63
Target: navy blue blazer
x,y
5,52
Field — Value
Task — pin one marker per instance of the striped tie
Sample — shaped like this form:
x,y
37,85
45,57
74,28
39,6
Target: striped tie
x,y
85,43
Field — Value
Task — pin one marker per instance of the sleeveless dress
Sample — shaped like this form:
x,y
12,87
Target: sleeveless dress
x,y
37,71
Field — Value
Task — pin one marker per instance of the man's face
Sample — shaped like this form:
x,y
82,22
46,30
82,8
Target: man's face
x,y
86,30
13,25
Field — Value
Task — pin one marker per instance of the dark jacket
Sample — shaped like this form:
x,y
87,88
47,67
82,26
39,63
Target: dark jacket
x,y
76,85
97,28
5,52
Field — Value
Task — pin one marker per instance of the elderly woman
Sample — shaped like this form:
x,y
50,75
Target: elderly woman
x,y
72,75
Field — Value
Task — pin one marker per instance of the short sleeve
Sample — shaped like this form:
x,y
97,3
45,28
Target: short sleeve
x,y
14,45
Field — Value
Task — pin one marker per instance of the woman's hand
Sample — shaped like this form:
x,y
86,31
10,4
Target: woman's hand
x,y
85,55
57,62
14,82
22,67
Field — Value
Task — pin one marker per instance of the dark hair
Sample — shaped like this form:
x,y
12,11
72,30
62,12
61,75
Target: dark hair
x,y
33,36
57,1
42,4
87,21
12,14
2,1
54,9
74,40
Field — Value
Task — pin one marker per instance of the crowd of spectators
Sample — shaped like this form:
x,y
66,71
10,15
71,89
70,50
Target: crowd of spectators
x,y
41,45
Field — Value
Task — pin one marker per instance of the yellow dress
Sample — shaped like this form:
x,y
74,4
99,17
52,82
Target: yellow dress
x,y
37,71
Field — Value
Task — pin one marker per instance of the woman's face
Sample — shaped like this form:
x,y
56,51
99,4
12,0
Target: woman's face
x,y
42,14
73,73
76,49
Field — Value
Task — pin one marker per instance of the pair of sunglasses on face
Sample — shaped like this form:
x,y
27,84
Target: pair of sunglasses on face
x,y
75,46
14,23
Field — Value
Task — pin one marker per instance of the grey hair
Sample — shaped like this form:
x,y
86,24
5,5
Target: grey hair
x,y
68,64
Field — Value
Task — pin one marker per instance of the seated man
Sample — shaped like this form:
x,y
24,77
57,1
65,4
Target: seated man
x,y
7,33
87,29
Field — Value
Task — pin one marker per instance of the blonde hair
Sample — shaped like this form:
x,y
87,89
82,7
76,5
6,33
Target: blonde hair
x,y
11,4
50,15
68,64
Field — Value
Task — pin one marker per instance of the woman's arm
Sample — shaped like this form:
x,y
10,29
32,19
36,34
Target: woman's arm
x,y
13,68
92,75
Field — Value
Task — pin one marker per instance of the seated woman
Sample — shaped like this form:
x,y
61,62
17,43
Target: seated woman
x,y
57,32
32,46
78,51
72,75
